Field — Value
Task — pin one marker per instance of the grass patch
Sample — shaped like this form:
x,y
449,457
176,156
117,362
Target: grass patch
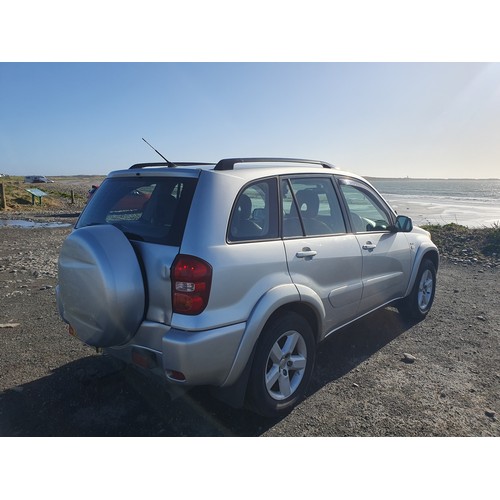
x,y
456,240
492,240
58,193
18,198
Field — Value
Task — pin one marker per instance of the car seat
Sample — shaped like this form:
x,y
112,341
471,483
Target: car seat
x,y
242,227
308,202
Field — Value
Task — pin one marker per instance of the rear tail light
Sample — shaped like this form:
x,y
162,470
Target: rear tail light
x,y
191,280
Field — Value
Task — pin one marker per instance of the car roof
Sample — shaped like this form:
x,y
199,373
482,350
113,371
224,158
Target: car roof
x,y
245,168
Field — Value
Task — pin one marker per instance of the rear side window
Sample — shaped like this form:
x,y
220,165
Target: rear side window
x,y
255,213
152,209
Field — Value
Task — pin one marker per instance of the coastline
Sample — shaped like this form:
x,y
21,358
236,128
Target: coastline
x,y
441,210
475,204
423,211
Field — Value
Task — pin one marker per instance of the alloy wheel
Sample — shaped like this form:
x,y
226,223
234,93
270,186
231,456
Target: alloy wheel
x,y
286,365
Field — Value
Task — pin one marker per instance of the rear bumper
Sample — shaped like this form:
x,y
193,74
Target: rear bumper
x,y
203,358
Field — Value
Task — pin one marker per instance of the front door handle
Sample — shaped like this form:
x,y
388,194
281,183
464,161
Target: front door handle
x,y
369,246
306,253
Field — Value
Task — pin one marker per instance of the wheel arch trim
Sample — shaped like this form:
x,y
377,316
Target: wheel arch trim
x,y
273,302
425,251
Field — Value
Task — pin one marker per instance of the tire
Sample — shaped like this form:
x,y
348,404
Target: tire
x,y
417,305
282,366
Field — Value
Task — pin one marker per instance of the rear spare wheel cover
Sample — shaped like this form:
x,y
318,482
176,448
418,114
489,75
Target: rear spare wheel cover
x,y
101,286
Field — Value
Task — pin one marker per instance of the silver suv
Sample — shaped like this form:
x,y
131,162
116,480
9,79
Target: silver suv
x,y
228,275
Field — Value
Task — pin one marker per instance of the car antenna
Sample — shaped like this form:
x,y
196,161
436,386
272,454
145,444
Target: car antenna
x,y
169,163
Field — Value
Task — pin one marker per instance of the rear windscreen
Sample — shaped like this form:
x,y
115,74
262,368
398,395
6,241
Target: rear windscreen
x,y
152,209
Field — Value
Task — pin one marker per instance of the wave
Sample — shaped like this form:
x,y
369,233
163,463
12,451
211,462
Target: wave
x,y
442,199
476,191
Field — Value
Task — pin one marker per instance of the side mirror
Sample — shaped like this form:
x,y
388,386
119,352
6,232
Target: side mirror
x,y
403,224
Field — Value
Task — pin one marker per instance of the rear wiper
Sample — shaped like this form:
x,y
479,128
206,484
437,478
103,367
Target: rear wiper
x,y
121,227
126,232
95,224
133,236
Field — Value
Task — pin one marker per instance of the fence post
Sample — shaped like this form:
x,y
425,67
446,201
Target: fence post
x,y
3,201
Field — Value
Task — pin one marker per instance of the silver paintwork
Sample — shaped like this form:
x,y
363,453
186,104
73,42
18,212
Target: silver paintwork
x,y
204,357
100,291
337,278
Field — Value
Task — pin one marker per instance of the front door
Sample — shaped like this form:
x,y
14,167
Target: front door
x,y
386,254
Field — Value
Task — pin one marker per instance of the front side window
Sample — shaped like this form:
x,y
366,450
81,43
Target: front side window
x,y
367,212
310,207
255,215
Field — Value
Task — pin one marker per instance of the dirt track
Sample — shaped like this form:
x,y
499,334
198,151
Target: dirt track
x,y
51,385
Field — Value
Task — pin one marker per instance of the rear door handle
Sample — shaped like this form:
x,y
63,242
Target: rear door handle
x,y
306,253
369,246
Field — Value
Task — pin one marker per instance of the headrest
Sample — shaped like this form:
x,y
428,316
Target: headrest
x,y
308,202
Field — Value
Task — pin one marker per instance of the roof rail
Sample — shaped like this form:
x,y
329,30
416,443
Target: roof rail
x,y
229,163
169,165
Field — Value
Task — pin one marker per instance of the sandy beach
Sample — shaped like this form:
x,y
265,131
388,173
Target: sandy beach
x,y
434,210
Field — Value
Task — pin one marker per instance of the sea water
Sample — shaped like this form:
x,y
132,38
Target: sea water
x,y
470,202
30,224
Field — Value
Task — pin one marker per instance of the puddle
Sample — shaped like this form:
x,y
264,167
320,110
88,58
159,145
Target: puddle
x,y
28,224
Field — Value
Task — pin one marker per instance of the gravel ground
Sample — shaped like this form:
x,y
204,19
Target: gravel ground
x,y
377,377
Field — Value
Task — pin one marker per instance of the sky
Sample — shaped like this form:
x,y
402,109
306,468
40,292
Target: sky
x,y
376,119
376,88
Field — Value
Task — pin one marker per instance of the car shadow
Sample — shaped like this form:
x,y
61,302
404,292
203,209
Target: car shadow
x,y
345,349
94,396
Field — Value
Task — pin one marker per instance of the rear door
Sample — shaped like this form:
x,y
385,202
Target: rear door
x,y
386,255
322,256
151,211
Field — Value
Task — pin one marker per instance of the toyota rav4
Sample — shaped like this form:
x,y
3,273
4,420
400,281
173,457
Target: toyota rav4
x,y
228,275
